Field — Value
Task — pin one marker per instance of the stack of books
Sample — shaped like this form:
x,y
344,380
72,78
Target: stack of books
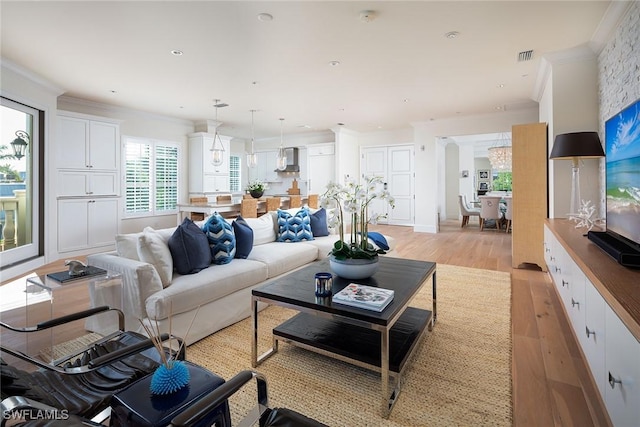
x,y
363,296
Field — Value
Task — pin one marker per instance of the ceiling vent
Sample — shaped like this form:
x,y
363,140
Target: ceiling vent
x,y
525,55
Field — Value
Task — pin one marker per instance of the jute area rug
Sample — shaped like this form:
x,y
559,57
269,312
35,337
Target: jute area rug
x,y
459,376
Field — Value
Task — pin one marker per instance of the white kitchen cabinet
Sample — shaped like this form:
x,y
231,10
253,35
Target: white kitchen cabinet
x,y
265,170
204,176
622,362
85,223
87,144
79,183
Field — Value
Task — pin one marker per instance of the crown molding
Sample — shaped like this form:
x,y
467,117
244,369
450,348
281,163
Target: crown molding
x,y
33,77
608,25
123,110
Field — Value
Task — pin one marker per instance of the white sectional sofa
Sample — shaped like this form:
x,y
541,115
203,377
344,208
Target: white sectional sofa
x,y
213,298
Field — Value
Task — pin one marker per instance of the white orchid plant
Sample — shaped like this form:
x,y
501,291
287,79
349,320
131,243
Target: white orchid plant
x,y
353,199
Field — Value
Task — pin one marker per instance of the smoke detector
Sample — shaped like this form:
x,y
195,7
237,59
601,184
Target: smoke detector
x,y
367,15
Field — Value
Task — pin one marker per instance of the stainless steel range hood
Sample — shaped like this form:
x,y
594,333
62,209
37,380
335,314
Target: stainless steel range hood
x,y
292,160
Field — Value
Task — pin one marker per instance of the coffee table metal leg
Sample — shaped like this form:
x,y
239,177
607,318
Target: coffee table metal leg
x,y
388,396
433,300
255,359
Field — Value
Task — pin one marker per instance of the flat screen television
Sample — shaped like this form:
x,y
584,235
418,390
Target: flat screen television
x,y
622,148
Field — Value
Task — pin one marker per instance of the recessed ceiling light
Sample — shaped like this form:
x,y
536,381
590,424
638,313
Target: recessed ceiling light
x,y
498,107
340,124
265,17
501,85
176,52
405,100
334,63
113,91
452,34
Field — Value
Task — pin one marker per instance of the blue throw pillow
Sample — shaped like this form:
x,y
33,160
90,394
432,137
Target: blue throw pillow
x,y
189,248
244,237
221,239
319,223
294,228
378,239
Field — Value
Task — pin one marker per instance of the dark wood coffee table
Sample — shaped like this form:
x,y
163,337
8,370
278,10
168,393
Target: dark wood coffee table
x,y
382,342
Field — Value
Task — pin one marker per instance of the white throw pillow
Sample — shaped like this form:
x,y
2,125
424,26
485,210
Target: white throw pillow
x,y
262,227
153,250
127,245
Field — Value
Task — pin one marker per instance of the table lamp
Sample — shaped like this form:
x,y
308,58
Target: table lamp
x,y
574,146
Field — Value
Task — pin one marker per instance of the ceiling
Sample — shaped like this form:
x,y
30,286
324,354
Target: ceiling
x,y
399,67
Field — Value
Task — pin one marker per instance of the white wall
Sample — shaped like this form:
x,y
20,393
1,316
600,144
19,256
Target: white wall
x,y
571,105
452,182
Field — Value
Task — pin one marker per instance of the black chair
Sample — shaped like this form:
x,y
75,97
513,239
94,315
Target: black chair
x,y
79,386
261,414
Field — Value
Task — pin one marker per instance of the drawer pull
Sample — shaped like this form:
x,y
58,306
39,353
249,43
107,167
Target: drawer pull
x,y
613,381
589,333
564,282
574,303
552,258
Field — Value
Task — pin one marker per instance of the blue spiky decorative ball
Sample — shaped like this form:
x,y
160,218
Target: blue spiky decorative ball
x,y
169,377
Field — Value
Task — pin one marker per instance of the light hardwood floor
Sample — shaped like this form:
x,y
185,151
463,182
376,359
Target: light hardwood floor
x,y
551,384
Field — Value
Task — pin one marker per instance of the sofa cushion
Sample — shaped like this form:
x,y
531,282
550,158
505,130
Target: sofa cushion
x,y
152,249
263,231
282,257
221,239
244,237
294,228
127,245
190,292
318,221
189,248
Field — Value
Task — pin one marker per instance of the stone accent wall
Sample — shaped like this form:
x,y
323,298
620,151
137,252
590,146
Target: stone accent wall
x,y
619,75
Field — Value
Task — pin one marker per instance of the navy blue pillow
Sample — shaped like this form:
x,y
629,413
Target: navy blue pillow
x,y
221,239
244,237
189,248
319,223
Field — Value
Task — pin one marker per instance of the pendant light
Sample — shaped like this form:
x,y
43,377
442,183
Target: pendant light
x,y
281,160
252,158
217,149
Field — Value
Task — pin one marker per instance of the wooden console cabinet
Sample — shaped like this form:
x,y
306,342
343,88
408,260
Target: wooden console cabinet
x,y
601,299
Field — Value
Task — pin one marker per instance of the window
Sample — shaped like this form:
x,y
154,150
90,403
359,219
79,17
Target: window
x,y
234,173
151,177
21,195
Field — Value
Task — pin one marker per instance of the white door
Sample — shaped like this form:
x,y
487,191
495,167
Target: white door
x,y
400,184
395,164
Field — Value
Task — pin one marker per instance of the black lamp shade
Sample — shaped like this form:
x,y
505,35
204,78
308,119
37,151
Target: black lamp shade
x,y
577,144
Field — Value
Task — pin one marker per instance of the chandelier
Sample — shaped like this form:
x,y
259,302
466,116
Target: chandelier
x,y
500,155
252,157
217,148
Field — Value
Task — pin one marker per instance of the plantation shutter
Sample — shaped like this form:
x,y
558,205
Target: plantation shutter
x,y
166,165
137,178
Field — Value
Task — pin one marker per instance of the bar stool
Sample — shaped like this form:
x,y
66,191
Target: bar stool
x,y
273,203
313,201
249,208
295,201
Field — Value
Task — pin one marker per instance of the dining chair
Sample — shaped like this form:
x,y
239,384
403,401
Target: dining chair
x,y
223,198
249,208
273,203
490,209
465,211
508,215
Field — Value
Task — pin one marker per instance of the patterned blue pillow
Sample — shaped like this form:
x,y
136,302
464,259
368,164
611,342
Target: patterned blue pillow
x,y
221,239
294,228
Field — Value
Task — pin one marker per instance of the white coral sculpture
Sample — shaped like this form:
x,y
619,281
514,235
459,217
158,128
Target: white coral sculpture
x,y
585,216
